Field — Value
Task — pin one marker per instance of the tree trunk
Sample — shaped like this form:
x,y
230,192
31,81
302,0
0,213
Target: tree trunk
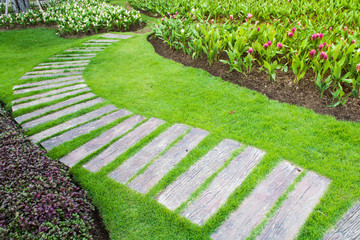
x,y
20,5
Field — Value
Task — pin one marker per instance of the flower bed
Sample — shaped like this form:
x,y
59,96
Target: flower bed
x,y
76,17
38,199
328,47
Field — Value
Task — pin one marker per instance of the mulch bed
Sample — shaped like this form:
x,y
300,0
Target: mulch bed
x,y
304,94
36,191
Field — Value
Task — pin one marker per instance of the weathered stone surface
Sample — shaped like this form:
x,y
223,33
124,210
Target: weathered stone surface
x,y
348,227
296,208
50,93
56,106
103,41
180,190
48,99
129,168
112,35
61,66
61,113
95,144
55,71
89,49
84,129
123,144
45,82
72,123
51,75
255,207
49,86
222,186
96,44
151,176
71,58
64,63
76,55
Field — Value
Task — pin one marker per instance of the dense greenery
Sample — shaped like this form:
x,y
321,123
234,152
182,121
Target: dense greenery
x,y
262,31
74,17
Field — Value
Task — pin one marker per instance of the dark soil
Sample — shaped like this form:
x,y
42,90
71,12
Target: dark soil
x,y
304,94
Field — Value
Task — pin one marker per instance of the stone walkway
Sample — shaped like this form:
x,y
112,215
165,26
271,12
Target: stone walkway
x,y
59,84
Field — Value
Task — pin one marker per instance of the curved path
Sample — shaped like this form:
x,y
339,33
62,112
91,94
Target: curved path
x,y
59,85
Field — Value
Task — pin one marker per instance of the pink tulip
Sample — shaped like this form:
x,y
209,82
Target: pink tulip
x,y
321,35
293,30
231,18
358,67
212,20
249,15
353,41
269,43
250,50
163,19
258,29
314,36
349,32
266,45
290,34
324,43
345,28
330,28
323,55
298,23
312,53
279,45
169,14
321,46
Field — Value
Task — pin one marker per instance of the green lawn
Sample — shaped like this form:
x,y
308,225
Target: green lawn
x,y
129,74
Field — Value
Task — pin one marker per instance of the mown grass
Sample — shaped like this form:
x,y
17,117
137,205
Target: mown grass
x,y
130,75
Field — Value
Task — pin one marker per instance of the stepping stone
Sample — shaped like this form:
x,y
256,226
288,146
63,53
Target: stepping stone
x,y
61,113
67,62
180,190
95,144
296,208
71,58
102,41
54,107
123,144
55,85
86,128
48,99
98,49
51,75
161,166
112,35
44,82
255,207
72,123
97,44
61,65
148,153
348,227
76,55
222,186
55,71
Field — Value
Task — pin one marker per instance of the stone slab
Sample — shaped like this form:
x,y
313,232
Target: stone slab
x,y
296,209
61,66
67,62
95,144
225,183
55,71
76,55
96,44
180,190
348,227
112,35
123,144
103,41
85,50
49,93
48,99
54,107
255,207
72,123
84,129
161,166
45,82
71,58
131,166
61,113
51,75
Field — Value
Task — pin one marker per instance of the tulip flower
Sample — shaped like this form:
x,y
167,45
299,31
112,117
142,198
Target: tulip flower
x,y
279,45
321,35
345,28
250,50
266,45
269,43
290,34
321,46
358,67
312,52
231,18
323,55
353,41
293,30
258,29
249,15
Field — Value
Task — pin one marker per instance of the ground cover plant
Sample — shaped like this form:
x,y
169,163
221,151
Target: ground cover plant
x,y
284,35
38,198
77,17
